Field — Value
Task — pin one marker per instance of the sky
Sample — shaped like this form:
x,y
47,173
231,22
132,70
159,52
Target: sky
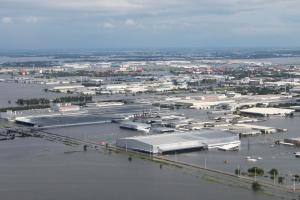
x,y
100,24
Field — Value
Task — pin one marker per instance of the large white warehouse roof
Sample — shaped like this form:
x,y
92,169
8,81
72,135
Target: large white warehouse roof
x,y
267,111
179,141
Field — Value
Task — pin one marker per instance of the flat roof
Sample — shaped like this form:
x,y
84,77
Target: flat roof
x,y
267,111
59,119
180,141
205,136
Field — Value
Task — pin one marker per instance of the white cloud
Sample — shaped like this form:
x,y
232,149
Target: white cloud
x,y
84,5
117,23
199,20
130,22
104,4
6,20
31,19
108,25
154,7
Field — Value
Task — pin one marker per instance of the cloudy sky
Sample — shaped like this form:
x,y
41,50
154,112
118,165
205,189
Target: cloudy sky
x,y
90,24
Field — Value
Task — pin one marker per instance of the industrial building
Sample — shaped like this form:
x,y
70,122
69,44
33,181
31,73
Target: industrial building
x,y
181,141
262,129
267,111
59,120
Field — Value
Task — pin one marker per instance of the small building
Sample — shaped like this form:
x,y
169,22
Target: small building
x,y
65,107
136,126
295,141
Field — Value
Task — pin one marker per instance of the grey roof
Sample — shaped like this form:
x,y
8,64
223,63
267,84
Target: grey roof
x,y
202,136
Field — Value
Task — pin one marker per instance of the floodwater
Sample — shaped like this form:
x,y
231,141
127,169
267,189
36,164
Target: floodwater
x,y
14,91
278,156
31,168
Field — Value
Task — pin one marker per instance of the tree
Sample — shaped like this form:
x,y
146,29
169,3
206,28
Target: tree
x,y
260,105
237,171
273,172
256,171
297,177
280,179
20,102
256,186
129,158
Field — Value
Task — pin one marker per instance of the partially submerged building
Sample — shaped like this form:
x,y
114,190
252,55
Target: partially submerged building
x,y
181,141
295,141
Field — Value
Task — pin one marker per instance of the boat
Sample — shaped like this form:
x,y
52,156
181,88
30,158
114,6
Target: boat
x,y
286,143
249,159
252,160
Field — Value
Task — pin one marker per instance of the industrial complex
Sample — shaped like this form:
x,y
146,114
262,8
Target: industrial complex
x,y
172,142
223,116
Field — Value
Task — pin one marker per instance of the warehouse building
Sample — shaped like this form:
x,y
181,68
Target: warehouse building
x,y
181,141
267,111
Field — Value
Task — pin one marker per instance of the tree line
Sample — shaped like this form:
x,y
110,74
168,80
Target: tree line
x,y
18,108
82,98
43,101
34,101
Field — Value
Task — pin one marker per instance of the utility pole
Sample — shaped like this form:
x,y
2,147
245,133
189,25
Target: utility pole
x,y
254,173
294,184
248,146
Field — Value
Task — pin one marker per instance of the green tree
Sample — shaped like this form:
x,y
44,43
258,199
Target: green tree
x,y
273,172
256,186
256,171
237,171
280,180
